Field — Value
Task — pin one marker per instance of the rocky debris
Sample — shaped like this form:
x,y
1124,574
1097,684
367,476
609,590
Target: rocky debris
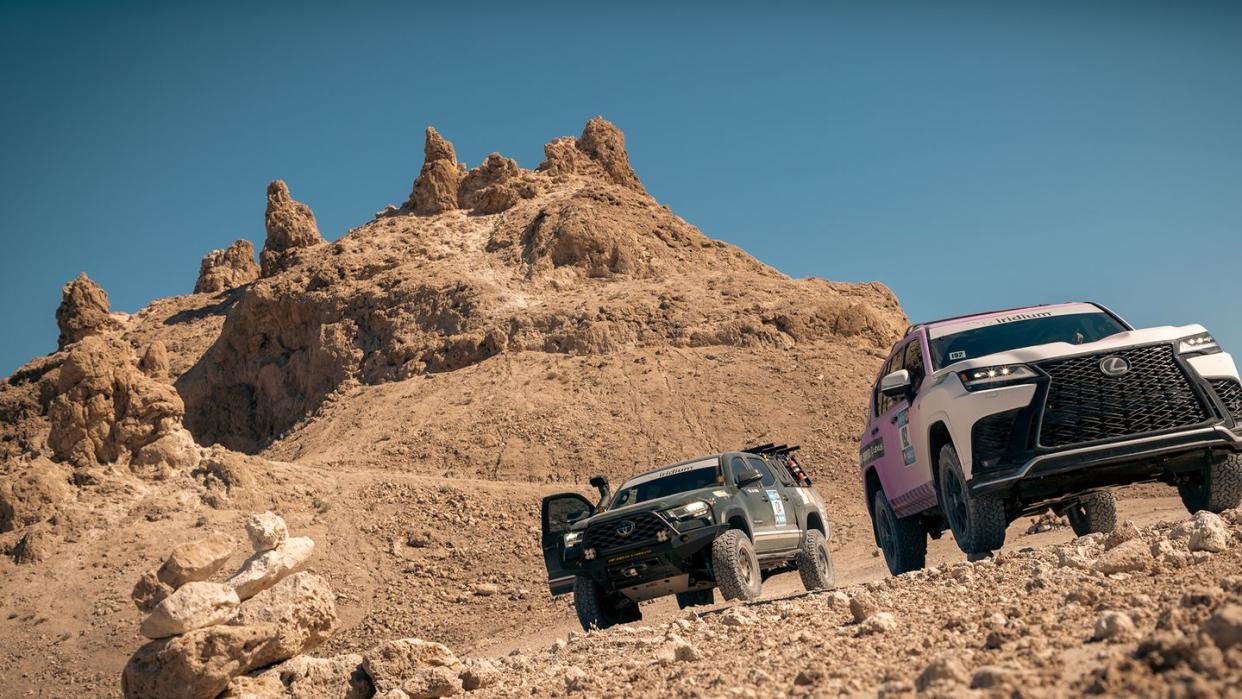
x,y
599,151
34,546
486,589
234,266
1128,557
1208,533
880,622
944,672
196,560
265,569
737,616
1113,626
32,493
409,663
436,187
862,607
194,605
1046,521
149,591
105,410
1224,627
291,228
1126,531
303,677
84,311
267,531
990,677
154,362
302,607
209,635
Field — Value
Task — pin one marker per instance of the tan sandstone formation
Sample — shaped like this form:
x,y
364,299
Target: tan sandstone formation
x,y
291,227
435,188
84,311
230,268
205,636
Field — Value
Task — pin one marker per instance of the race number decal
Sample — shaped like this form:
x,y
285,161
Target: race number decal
x,y
903,426
778,507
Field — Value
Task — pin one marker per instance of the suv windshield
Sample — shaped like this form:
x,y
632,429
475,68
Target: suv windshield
x,y
669,481
1074,328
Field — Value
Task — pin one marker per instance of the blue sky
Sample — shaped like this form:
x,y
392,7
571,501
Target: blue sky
x,y
966,155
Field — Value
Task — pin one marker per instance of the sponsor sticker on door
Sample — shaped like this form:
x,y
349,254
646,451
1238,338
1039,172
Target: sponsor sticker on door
x,y
778,507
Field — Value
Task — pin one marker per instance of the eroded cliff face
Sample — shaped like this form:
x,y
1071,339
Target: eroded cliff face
x,y
574,258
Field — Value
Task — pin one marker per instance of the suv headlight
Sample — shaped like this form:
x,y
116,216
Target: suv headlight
x,y
994,376
698,508
1203,343
572,539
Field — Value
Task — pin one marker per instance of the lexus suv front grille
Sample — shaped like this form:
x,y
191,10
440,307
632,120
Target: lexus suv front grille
x,y
642,527
1086,405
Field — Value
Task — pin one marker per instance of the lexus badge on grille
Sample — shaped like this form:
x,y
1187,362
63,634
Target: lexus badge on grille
x,y
1114,366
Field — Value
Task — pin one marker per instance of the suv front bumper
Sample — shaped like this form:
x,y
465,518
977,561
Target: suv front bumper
x,y
1052,475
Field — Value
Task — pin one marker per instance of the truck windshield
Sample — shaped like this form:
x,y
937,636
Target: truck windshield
x,y
1074,328
669,481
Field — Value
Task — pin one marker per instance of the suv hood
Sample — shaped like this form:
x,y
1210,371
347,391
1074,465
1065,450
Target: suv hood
x,y
1054,350
659,504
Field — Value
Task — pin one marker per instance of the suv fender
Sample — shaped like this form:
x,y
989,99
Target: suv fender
x,y
736,518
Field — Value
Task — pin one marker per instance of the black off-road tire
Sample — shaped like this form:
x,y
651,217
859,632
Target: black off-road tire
x,y
978,522
598,609
815,562
902,540
696,598
1217,488
736,566
1093,513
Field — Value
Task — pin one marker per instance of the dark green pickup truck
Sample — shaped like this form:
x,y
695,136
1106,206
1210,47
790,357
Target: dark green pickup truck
x,y
723,521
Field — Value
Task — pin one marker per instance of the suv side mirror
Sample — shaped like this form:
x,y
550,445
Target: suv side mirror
x,y
896,384
747,476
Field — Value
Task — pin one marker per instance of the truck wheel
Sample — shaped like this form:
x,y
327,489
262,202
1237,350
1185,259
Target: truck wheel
x,y
736,566
1094,513
815,562
697,598
598,609
1217,488
902,540
978,523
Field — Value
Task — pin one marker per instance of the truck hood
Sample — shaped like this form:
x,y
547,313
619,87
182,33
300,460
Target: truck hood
x,y
1054,350
658,505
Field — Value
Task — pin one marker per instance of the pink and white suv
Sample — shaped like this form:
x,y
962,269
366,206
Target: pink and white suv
x,y
978,420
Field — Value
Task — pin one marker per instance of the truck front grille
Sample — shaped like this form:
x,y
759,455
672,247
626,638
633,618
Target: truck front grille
x,y
1230,393
605,536
1085,405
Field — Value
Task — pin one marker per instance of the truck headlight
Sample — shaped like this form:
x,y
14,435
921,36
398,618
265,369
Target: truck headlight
x,y
1203,343
994,376
698,508
572,539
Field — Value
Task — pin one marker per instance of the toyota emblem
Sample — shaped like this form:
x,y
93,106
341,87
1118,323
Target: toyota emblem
x,y
1114,366
625,528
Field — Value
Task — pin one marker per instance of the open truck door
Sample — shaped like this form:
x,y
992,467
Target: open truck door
x,y
560,511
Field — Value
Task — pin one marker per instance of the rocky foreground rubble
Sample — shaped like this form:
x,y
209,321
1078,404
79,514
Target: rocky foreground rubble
x,y
1156,612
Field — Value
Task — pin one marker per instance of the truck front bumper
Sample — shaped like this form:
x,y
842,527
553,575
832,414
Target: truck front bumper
x,y
651,568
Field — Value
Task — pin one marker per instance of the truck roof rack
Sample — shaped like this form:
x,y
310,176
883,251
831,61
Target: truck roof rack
x,y
770,448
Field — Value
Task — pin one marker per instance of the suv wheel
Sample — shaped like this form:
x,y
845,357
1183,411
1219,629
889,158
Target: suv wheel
x,y
902,540
978,523
1094,513
598,609
736,566
815,562
1217,488
697,598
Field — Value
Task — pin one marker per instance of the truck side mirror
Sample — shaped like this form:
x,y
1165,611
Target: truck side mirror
x,y
896,384
747,476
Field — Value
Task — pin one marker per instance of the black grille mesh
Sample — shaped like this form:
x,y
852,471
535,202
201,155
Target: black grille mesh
x,y
1084,405
1230,393
990,438
603,536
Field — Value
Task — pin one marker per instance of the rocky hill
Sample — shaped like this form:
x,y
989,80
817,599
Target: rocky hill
x,y
407,393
